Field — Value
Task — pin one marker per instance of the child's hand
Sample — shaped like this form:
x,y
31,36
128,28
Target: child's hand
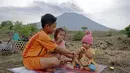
x,y
59,40
64,59
83,49
89,62
74,54
68,55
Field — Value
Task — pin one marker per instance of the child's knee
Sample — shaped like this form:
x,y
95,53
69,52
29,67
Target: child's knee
x,y
55,62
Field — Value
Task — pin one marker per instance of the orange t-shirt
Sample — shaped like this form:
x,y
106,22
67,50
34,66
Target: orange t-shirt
x,y
39,45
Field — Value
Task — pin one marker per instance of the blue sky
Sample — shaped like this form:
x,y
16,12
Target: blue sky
x,y
111,13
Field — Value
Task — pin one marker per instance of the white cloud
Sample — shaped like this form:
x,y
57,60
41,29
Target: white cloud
x,y
35,10
111,13
116,16
15,3
95,6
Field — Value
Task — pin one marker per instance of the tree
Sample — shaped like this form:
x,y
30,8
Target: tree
x,y
7,24
25,30
84,28
18,26
127,29
33,27
0,27
28,29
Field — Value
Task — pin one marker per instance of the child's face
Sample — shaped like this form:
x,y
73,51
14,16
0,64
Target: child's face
x,y
85,45
61,35
51,28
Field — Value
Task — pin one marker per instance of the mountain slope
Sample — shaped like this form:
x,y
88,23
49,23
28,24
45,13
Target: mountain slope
x,y
74,21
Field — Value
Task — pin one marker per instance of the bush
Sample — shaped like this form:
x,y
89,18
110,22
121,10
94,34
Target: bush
x,y
7,24
109,34
25,30
127,29
84,28
122,32
78,36
112,32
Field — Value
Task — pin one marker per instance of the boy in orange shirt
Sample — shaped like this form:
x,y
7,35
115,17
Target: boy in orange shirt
x,y
37,53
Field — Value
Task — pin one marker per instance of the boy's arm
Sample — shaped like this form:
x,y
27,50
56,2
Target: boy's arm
x,y
78,51
68,55
63,50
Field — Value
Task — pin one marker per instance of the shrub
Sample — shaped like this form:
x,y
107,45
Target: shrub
x,y
127,29
78,36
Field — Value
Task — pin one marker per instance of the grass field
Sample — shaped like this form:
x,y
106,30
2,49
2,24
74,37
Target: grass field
x,y
111,50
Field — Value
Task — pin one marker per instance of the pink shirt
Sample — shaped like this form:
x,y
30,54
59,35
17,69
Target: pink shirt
x,y
62,44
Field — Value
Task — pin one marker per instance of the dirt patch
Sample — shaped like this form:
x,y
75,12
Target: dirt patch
x,y
10,61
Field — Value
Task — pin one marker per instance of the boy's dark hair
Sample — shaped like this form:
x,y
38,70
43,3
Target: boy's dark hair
x,y
57,31
47,19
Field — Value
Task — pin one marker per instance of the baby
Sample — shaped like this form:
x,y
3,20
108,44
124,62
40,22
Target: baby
x,y
85,55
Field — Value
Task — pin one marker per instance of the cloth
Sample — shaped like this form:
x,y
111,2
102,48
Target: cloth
x,y
92,67
32,63
16,37
60,70
62,44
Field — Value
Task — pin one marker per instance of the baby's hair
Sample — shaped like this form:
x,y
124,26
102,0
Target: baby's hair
x,y
57,32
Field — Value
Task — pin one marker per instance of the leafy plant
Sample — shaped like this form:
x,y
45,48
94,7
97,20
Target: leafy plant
x,y
78,36
127,29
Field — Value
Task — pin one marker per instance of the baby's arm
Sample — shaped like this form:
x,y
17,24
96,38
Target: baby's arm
x,y
78,57
75,61
90,54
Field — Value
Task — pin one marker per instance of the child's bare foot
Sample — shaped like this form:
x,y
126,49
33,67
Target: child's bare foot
x,y
51,70
81,67
70,66
87,68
